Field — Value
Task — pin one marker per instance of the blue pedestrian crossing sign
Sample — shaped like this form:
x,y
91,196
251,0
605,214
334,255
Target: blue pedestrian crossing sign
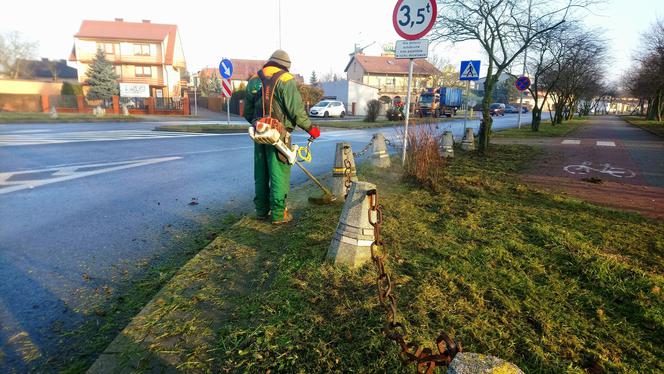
x,y
226,68
470,70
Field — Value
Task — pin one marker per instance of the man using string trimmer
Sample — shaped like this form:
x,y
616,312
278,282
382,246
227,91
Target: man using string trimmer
x,y
274,107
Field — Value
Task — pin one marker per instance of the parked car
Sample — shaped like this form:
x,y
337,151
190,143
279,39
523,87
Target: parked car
x,y
497,109
328,108
524,108
511,109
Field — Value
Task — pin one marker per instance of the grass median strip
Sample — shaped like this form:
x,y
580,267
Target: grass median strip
x,y
11,117
206,129
655,127
549,283
545,130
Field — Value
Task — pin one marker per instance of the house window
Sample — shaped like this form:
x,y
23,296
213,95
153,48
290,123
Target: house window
x,y
118,71
108,48
143,71
141,49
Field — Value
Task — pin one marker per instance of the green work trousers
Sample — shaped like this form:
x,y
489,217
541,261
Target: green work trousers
x,y
272,181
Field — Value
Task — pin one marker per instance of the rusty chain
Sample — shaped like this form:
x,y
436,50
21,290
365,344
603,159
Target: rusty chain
x,y
347,175
364,150
411,352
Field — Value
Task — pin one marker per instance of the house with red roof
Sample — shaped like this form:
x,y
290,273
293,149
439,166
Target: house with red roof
x,y
390,75
148,57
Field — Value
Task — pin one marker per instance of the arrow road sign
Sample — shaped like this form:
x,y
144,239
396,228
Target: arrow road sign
x,y
226,68
522,83
226,87
470,70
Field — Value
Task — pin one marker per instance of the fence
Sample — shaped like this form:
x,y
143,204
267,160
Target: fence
x,y
79,104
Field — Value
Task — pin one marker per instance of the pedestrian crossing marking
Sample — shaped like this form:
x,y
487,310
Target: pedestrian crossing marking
x,y
90,136
605,144
571,141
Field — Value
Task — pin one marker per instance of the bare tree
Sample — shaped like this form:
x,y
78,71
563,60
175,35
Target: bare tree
x,y
504,29
15,52
646,80
578,73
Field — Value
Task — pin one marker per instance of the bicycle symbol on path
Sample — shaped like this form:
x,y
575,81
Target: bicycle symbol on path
x,y
585,168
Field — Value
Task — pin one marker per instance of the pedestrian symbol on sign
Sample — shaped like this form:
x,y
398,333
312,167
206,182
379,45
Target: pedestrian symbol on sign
x,y
469,71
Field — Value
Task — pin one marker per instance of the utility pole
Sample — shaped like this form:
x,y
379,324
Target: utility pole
x,y
279,24
525,61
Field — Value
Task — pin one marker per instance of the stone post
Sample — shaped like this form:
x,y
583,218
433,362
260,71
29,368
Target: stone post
x,y
344,152
351,243
447,144
471,363
468,142
379,156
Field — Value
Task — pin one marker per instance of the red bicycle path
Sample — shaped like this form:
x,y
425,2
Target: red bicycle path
x,y
576,164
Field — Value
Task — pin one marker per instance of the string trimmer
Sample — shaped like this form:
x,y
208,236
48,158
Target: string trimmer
x,y
292,154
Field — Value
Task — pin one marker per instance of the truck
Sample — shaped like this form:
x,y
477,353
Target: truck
x,y
440,101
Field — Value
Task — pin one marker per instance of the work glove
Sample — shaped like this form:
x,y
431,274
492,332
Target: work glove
x,y
314,132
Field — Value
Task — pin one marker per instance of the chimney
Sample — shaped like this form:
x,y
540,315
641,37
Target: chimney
x,y
146,21
119,20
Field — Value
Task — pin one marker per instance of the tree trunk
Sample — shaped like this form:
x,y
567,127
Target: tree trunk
x,y
650,114
537,119
485,124
659,105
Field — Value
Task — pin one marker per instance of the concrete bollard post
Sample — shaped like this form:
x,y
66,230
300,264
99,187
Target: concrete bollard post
x,y
54,113
344,152
468,142
447,144
351,244
379,156
471,363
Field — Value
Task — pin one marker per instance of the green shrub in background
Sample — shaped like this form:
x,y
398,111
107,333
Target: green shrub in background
x,y
373,110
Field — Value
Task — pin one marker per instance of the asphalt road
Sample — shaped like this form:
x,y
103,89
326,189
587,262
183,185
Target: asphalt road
x,y
81,205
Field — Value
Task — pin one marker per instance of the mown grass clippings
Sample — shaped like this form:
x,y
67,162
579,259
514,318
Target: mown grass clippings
x,y
545,130
550,283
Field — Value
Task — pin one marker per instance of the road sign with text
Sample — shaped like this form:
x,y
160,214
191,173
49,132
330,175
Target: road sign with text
x,y
412,19
412,48
469,71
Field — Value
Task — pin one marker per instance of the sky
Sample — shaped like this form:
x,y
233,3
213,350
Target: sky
x,y
318,35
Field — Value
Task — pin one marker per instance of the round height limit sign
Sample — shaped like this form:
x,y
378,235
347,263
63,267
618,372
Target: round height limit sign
x,y
413,19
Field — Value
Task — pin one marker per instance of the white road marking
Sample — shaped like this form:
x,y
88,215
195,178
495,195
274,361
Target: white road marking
x,y
585,168
67,173
571,141
91,136
605,144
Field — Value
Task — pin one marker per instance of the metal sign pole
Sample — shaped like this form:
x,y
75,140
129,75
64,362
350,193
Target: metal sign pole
x,y
465,115
228,110
405,132
525,61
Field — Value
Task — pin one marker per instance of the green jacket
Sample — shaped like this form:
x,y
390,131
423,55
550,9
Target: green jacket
x,y
287,105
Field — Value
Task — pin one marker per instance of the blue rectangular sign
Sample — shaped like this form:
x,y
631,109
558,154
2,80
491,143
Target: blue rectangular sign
x,y
470,70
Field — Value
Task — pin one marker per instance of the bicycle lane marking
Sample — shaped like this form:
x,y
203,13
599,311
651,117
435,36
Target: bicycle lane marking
x,y
606,159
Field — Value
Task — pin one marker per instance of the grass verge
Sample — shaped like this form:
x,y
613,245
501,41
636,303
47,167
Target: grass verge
x,y
380,123
655,127
208,129
550,283
545,130
11,117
